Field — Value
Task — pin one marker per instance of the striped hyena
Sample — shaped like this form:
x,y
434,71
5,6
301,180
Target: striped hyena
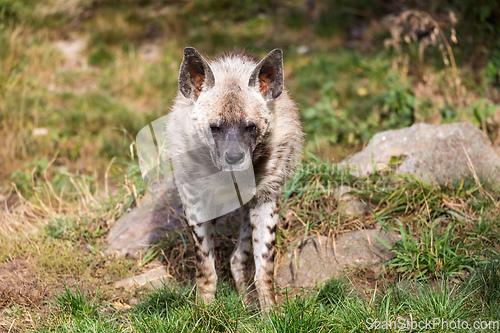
x,y
233,115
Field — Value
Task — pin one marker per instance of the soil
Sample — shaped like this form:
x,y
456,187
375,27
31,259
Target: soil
x,y
20,286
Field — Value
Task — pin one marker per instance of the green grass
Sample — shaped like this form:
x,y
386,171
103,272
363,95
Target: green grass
x,y
78,304
485,284
335,307
431,255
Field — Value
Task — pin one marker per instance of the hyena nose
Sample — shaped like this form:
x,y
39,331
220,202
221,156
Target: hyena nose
x,y
233,158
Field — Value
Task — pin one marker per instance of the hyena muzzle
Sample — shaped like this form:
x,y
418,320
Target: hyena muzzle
x,y
232,115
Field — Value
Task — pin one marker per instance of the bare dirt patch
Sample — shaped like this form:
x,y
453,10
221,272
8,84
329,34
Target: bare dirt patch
x,y
20,286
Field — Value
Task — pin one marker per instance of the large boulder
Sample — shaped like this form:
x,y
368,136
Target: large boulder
x,y
438,154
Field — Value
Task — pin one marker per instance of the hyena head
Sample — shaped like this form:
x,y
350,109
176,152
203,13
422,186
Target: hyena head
x,y
232,103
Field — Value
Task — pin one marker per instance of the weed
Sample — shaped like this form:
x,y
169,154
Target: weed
x,y
296,315
78,303
432,255
10,10
492,70
394,299
484,283
101,56
396,104
332,292
442,301
176,310
163,299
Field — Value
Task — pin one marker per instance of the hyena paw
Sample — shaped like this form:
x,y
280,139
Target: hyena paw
x,y
206,296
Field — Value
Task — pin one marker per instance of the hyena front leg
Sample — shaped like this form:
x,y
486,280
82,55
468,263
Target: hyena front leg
x,y
264,219
206,277
242,257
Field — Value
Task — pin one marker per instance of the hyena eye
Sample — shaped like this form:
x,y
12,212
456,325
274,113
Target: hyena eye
x,y
215,129
251,128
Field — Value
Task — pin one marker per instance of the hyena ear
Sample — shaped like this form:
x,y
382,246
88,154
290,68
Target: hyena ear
x,y
195,74
268,75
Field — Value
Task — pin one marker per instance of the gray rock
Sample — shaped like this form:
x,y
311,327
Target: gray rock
x,y
156,215
434,153
348,203
317,259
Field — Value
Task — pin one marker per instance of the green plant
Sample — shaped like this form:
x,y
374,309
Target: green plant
x,y
101,56
429,254
442,301
162,299
78,303
332,292
492,70
10,10
327,119
397,103
484,283
344,123
32,175
296,315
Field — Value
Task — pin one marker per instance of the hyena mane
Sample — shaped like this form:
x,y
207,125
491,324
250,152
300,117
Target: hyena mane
x,y
232,115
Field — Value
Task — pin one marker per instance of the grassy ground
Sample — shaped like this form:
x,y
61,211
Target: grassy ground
x,y
335,307
79,79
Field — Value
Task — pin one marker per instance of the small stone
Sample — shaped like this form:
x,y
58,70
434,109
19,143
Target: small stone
x,y
40,131
356,208
318,259
302,49
152,278
348,203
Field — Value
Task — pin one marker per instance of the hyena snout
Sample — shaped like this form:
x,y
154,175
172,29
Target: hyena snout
x,y
234,158
233,155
